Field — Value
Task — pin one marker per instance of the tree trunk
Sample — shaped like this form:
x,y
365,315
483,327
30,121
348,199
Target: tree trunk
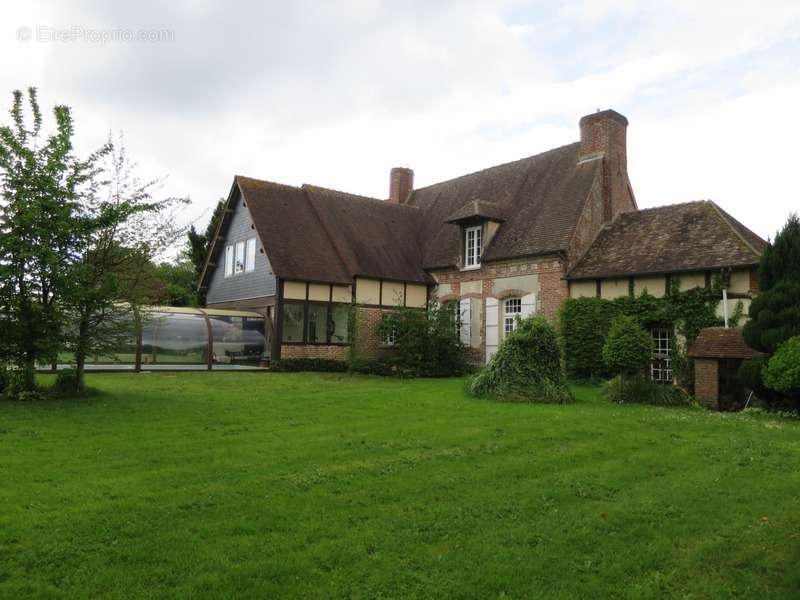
x,y
80,352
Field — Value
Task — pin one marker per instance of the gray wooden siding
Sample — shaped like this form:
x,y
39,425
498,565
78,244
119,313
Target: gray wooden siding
x,y
257,283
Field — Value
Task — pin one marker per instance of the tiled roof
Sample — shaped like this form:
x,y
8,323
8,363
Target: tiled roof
x,y
294,239
679,237
319,234
374,238
544,194
719,342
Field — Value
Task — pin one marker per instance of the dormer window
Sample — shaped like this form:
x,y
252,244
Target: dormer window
x,y
473,240
478,222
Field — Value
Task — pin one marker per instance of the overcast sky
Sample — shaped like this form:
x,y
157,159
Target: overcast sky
x,y
337,93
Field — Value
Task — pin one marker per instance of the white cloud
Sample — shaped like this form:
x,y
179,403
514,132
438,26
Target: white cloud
x,y
336,94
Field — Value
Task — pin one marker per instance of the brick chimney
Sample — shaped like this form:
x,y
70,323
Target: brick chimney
x,y
603,137
401,184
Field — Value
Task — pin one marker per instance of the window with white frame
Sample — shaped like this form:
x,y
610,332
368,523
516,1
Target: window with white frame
x,y
238,264
661,363
228,261
250,255
512,312
473,245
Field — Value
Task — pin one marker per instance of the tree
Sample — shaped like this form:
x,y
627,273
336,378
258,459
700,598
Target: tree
x,y
43,185
125,229
199,245
782,373
175,284
774,317
527,366
627,350
781,260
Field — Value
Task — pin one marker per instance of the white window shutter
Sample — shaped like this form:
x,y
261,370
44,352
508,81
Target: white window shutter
x,y
492,318
465,315
528,305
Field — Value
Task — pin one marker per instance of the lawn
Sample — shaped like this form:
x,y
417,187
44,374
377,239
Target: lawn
x,y
262,485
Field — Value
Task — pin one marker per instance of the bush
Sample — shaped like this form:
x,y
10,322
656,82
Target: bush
x,y
526,367
750,374
774,317
426,342
291,365
14,388
67,384
640,390
628,348
627,352
782,373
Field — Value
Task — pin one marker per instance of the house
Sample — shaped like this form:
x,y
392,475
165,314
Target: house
x,y
504,242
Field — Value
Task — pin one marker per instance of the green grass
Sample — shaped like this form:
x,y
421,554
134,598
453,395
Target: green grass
x,y
262,485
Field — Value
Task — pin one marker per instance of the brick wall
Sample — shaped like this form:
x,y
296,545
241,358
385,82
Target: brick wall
x,y
706,381
550,271
369,344
313,351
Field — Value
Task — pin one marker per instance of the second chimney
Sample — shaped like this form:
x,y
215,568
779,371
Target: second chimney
x,y
401,184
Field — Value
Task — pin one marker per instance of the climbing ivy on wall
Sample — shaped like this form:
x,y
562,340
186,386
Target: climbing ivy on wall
x,y
585,323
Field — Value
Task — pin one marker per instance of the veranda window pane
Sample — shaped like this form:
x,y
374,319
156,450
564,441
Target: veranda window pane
x,y
237,339
317,324
169,338
339,317
293,323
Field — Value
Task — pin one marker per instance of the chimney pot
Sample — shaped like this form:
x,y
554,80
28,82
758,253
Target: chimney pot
x,y
401,184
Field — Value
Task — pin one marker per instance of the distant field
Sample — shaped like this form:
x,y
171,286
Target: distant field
x,y
231,485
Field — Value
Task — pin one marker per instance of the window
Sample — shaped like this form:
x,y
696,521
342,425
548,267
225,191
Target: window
x,y
238,265
228,261
661,364
472,250
337,325
512,313
315,323
250,255
293,317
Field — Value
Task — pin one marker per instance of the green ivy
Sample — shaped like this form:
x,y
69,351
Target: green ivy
x,y
585,322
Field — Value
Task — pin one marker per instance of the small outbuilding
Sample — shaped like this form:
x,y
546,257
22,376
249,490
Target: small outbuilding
x,y
717,353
